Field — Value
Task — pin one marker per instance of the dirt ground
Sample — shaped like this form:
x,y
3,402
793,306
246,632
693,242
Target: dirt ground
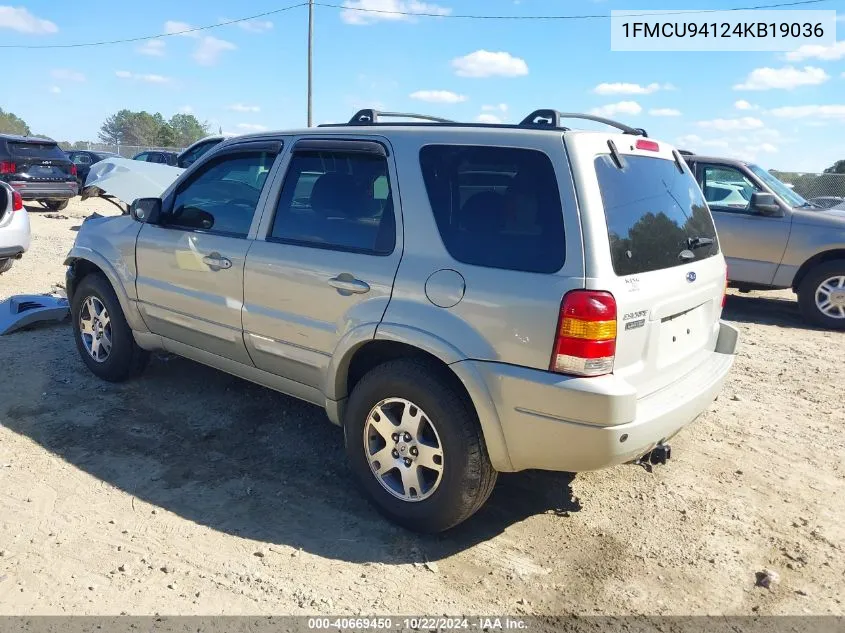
x,y
192,492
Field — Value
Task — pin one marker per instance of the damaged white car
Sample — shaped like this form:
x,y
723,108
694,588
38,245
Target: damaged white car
x,y
127,180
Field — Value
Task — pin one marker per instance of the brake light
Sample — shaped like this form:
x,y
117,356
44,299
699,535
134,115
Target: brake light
x,y
649,146
8,167
17,201
72,169
725,294
585,342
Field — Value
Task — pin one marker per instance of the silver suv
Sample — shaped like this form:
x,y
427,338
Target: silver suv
x,y
774,239
464,299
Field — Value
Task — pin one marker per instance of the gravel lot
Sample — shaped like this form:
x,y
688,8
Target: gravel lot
x,y
192,492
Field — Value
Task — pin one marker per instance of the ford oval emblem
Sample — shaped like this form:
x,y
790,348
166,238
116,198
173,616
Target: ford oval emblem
x,y
691,276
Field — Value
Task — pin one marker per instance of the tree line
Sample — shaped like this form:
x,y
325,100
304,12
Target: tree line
x,y
126,128
142,128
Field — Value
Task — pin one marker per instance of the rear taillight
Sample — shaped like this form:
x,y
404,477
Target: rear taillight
x,y
72,169
17,201
649,146
585,342
725,293
8,167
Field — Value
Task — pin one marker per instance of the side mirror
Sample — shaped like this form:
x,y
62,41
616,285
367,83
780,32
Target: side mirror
x,y
144,208
765,204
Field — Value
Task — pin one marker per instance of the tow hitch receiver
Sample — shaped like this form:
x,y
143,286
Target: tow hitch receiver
x,y
660,454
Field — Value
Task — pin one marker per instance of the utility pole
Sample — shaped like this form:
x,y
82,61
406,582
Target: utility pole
x,y
310,54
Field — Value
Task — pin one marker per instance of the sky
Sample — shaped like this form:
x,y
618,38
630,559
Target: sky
x,y
783,110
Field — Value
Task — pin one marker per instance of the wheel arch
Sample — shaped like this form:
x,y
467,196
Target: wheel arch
x,y
392,342
815,260
82,265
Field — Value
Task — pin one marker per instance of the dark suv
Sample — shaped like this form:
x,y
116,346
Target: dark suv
x,y
157,156
38,169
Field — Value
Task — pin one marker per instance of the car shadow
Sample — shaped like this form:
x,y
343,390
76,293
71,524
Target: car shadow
x,y
245,460
765,311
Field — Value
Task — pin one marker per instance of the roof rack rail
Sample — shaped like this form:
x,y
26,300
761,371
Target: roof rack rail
x,y
369,116
686,152
551,119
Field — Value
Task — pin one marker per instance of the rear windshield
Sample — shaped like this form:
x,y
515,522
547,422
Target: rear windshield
x,y
20,149
654,213
497,207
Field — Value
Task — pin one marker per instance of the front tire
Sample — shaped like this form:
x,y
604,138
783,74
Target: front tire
x,y
821,295
55,205
103,337
415,446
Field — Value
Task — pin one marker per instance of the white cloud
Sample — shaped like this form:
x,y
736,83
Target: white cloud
x,y
20,20
499,107
210,49
483,63
55,90
732,125
153,48
744,147
241,107
186,109
361,12
742,104
172,26
64,74
833,111
623,107
256,26
488,118
251,127
786,78
664,112
146,78
629,89
438,96
830,53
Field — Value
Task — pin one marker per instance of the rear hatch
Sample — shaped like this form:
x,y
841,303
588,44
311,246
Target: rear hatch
x,y
40,161
656,250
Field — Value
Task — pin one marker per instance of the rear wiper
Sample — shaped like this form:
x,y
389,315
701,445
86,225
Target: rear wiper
x,y
698,242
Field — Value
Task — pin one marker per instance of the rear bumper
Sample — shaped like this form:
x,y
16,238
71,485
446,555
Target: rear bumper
x,y
14,235
46,190
552,422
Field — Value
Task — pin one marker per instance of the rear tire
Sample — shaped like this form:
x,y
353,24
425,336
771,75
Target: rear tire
x,y
98,318
55,205
821,295
5,265
417,394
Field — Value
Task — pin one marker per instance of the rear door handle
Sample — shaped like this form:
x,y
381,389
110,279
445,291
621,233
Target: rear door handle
x,y
216,261
347,284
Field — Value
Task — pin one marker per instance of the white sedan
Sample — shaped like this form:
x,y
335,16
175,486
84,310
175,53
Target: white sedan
x,y
14,227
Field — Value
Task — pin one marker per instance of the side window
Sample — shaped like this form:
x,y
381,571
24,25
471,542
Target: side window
x,y
80,159
726,188
143,156
223,196
338,200
496,207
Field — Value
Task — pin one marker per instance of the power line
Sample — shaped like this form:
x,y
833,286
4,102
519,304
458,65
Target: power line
x,y
560,17
408,14
160,35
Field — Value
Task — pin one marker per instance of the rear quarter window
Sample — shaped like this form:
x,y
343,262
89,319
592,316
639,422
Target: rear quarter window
x,y
497,207
19,149
653,212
